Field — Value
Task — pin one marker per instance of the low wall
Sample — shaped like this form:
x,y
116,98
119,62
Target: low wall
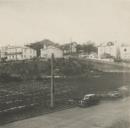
x,y
107,66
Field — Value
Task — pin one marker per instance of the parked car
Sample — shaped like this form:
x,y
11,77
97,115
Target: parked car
x,y
88,100
124,91
114,94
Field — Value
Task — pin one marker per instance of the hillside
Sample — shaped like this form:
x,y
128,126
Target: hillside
x,y
36,69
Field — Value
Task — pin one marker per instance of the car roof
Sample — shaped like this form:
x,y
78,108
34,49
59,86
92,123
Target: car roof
x,y
90,95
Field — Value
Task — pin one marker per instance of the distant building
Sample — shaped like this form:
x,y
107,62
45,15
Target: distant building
x,y
40,44
17,53
29,53
125,52
114,50
3,52
46,52
107,49
70,48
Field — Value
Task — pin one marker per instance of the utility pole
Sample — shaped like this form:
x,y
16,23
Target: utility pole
x,y
71,45
52,81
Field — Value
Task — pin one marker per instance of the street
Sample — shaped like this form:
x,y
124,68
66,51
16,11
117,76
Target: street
x,y
103,115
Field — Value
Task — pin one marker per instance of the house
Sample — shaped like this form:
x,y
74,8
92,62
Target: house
x,y
17,53
114,50
28,53
3,52
47,51
40,44
70,48
125,52
107,50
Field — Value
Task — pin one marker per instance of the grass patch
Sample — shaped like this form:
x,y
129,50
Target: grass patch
x,y
121,124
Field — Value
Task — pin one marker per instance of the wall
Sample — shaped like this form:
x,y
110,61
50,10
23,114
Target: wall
x,y
29,53
112,50
46,53
125,52
18,53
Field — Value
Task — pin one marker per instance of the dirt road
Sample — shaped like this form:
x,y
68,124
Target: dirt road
x,y
101,116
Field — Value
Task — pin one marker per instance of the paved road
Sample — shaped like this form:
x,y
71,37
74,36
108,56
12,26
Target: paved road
x,y
100,116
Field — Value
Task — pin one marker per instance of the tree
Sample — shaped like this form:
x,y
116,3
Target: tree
x,y
87,48
69,48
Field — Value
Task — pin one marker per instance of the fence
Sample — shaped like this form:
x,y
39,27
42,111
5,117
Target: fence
x,y
13,101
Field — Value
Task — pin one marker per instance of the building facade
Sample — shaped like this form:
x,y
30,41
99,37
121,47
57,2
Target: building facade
x,y
17,53
46,52
70,48
114,50
109,49
125,52
3,52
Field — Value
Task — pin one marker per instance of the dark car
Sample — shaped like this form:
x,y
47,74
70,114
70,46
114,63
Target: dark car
x,y
88,100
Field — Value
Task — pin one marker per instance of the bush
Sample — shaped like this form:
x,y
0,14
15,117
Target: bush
x,y
28,70
5,77
121,124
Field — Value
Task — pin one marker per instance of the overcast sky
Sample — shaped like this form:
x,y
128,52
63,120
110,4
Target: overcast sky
x,y
26,21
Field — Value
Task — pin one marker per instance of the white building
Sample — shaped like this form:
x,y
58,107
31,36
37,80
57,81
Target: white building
x,y
46,52
17,53
107,49
3,52
29,53
115,50
125,52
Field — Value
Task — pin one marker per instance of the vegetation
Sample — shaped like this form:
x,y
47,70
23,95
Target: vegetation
x,y
69,48
121,124
87,48
36,69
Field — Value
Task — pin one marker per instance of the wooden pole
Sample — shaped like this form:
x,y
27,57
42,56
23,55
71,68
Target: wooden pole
x,y
52,81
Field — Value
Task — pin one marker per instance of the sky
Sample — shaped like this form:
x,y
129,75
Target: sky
x,y
62,21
